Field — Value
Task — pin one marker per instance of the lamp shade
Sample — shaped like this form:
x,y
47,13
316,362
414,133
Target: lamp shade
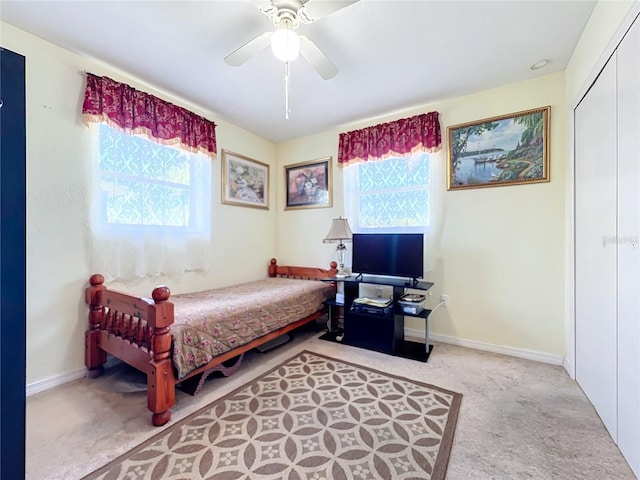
x,y
339,232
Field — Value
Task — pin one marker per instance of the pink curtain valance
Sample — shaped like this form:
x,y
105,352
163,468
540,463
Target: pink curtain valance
x,y
132,111
407,135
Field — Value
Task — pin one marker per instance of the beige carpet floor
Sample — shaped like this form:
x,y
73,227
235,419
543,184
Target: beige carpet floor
x,y
518,419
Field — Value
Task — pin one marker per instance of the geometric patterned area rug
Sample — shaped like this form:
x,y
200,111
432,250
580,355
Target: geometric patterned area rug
x,y
311,418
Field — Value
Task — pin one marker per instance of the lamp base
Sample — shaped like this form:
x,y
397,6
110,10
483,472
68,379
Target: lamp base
x,y
341,272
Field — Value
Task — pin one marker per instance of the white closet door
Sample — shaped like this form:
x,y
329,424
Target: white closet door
x,y
628,60
595,246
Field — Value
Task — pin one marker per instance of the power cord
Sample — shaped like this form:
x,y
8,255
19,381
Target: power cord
x,y
436,307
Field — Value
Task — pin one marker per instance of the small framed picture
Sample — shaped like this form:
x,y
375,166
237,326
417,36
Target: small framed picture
x,y
507,150
245,182
308,184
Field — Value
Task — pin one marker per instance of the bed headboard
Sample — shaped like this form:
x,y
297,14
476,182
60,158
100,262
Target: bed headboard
x,y
307,273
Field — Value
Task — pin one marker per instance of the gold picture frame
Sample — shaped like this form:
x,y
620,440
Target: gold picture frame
x,y
510,149
245,182
308,184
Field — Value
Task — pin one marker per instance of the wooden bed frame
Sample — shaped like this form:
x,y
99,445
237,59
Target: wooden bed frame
x,y
137,331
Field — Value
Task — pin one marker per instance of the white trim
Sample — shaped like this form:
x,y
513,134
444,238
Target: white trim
x,y
569,367
570,327
570,259
623,28
490,347
58,380
55,381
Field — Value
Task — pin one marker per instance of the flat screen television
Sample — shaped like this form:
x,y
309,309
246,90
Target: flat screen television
x,y
392,254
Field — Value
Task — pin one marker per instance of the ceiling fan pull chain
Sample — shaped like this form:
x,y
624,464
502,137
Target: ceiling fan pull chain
x,y
287,71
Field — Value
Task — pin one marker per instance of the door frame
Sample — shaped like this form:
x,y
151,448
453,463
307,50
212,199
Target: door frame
x,y
570,308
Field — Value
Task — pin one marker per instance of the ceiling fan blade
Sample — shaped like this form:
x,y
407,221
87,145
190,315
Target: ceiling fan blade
x,y
266,7
312,54
315,10
249,49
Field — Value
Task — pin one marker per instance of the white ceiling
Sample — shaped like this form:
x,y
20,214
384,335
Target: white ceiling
x,y
391,54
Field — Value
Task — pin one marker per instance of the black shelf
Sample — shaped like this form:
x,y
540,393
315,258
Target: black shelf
x,y
397,310
423,314
333,303
379,280
332,335
405,349
379,331
413,351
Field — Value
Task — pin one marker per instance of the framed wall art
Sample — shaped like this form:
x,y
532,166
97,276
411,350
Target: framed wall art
x,y
245,182
506,150
308,184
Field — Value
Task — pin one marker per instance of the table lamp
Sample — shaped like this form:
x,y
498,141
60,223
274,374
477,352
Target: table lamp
x,y
340,233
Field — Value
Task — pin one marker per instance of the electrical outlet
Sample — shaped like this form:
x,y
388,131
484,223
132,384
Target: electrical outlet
x,y
444,299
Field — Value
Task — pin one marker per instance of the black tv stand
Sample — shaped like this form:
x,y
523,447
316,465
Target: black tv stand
x,y
383,332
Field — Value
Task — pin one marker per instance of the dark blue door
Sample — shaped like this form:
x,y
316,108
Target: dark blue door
x,y
12,265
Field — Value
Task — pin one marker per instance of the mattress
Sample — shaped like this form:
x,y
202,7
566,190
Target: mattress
x,y
212,322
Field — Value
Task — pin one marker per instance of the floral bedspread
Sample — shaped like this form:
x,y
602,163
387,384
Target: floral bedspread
x,y
213,322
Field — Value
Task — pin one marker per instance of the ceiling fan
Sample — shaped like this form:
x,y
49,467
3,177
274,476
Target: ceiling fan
x,y
287,15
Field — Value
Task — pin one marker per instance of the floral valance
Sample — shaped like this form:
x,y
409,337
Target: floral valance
x,y
407,135
132,111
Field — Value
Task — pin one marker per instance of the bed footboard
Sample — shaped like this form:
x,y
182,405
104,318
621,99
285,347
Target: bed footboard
x,y
305,273
137,331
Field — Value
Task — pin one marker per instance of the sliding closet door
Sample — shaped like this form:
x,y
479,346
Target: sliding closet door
x,y
595,246
628,247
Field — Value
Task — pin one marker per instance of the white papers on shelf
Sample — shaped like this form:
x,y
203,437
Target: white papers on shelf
x,y
375,302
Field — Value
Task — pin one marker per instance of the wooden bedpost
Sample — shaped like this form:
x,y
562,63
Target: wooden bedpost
x,y
161,394
333,270
94,356
273,266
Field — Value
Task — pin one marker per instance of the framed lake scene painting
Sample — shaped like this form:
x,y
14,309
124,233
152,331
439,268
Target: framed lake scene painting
x,y
245,182
308,184
506,150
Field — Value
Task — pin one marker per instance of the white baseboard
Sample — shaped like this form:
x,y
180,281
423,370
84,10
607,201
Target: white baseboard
x,y
489,347
56,381
568,366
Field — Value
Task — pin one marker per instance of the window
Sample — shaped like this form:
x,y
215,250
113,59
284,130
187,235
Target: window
x,y
398,195
145,184
151,212
388,195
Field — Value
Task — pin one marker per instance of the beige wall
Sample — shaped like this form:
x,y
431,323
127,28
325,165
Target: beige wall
x,y
300,232
58,207
502,261
506,277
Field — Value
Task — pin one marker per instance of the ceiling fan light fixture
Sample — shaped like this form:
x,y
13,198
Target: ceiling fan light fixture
x,y
285,44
